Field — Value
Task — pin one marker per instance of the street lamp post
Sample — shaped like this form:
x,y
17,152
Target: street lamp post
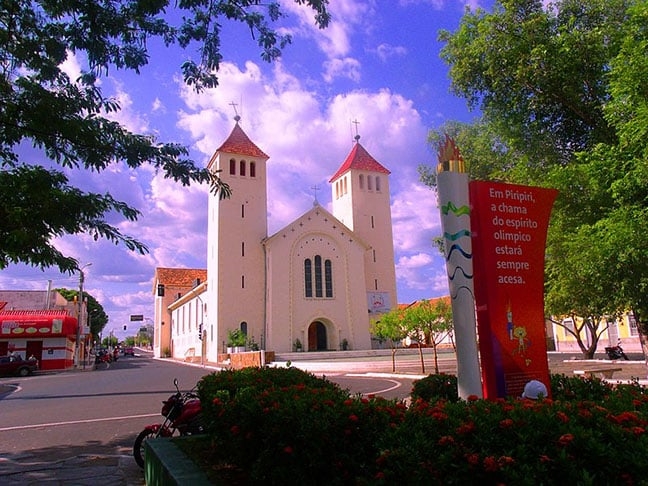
x,y
80,313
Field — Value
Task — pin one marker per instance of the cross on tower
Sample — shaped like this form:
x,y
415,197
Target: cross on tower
x,y
356,123
315,188
236,115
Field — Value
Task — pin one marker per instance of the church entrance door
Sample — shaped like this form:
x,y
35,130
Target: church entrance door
x,y
317,336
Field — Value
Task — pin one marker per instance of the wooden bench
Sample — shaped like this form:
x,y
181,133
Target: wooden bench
x,y
592,372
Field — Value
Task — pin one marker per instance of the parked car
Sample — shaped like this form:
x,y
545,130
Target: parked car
x,y
129,350
15,365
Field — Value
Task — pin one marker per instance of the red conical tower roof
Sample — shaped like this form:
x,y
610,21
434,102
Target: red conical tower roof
x,y
239,143
359,159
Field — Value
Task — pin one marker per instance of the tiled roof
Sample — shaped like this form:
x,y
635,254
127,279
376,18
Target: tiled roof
x,y
432,300
179,277
240,144
359,159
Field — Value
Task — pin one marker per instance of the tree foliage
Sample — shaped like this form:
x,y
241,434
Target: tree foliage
x,y
390,327
429,322
67,121
562,92
97,317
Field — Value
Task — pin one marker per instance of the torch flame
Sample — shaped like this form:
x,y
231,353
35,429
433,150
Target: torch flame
x,y
450,158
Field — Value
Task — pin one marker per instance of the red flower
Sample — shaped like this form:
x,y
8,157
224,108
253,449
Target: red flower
x,y
438,415
545,458
506,423
466,428
565,439
473,459
586,414
288,450
490,464
235,430
472,398
353,418
216,401
562,417
446,440
638,430
625,417
505,461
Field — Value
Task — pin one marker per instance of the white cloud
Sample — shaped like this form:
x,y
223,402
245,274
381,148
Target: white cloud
x,y
385,51
341,68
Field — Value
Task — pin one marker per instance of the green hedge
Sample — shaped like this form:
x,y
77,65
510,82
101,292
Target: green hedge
x,y
285,426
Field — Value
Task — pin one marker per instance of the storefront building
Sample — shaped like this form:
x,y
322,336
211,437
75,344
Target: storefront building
x,y
47,335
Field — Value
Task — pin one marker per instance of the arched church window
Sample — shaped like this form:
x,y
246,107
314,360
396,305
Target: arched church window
x,y
318,276
328,278
369,183
232,167
252,169
244,327
242,168
318,273
377,183
361,181
345,185
308,277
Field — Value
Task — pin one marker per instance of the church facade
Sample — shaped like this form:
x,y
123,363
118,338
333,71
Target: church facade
x,y
314,285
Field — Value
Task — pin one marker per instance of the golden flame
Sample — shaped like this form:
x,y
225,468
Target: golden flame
x,y
450,158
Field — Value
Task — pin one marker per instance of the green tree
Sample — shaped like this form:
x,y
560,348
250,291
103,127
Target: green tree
x,y
110,341
435,318
544,85
626,225
97,317
390,327
66,120
564,106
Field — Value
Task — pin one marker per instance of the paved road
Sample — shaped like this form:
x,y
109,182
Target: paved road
x,y
78,427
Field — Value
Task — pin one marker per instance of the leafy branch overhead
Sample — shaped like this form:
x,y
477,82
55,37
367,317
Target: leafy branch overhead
x,y
67,120
564,104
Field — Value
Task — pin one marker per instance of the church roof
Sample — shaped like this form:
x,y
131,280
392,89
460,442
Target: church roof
x,y
239,143
179,277
317,218
359,159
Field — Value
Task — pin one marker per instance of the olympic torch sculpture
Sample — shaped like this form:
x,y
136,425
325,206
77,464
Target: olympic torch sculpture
x,y
453,194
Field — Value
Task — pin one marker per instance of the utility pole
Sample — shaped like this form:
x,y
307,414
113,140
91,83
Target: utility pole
x,y
80,314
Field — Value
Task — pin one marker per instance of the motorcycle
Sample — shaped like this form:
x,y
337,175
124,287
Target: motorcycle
x,y
615,352
103,356
182,413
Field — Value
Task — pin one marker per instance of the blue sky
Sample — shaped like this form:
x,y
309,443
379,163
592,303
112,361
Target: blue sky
x,y
378,64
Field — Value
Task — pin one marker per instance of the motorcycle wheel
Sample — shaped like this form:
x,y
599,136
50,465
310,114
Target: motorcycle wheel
x,y
138,447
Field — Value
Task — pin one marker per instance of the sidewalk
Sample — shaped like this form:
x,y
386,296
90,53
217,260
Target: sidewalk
x,y
83,470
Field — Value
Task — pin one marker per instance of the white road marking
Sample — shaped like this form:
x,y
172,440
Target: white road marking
x,y
72,422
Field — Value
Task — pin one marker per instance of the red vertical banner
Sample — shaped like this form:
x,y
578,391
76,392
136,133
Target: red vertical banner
x,y
509,231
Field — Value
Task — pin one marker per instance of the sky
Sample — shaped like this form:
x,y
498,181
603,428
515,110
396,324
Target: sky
x,y
377,64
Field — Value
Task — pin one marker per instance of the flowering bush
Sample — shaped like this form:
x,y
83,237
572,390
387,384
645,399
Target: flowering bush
x,y
284,430
436,387
305,430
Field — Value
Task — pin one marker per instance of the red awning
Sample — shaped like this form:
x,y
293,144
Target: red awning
x,y
28,324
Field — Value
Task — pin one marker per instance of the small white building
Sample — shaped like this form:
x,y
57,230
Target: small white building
x,y
317,282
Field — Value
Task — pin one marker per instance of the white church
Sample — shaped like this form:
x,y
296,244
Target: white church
x,y
314,284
